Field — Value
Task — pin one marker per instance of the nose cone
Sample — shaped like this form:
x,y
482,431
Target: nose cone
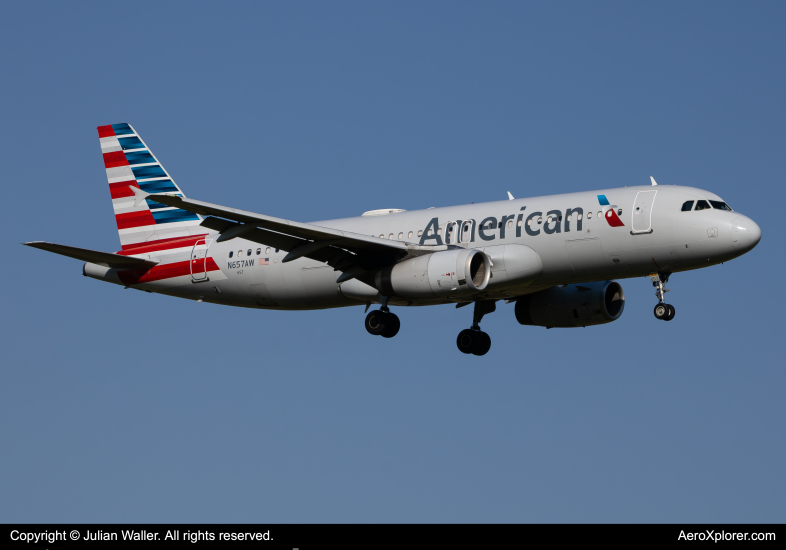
x,y
745,234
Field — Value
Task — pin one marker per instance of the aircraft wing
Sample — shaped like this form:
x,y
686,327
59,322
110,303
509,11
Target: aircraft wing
x,y
351,253
105,259
355,242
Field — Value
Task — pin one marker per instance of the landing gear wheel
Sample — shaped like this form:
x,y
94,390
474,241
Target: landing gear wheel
x,y
392,324
670,314
466,340
483,344
376,322
662,311
475,342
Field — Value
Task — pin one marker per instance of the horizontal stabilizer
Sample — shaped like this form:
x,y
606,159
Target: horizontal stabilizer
x,y
105,259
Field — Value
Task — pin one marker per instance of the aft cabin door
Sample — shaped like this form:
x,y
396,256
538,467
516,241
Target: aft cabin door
x,y
642,212
199,260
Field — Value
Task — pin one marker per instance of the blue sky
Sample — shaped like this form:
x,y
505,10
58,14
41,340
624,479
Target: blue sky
x,y
119,405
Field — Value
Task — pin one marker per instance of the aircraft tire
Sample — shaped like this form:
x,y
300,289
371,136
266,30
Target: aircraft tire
x,y
483,344
376,322
670,315
661,311
392,325
466,340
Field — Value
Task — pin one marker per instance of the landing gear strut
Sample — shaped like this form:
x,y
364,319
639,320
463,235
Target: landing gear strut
x,y
473,340
663,311
381,322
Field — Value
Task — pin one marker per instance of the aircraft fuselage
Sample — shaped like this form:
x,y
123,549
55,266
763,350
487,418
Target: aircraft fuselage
x,y
576,236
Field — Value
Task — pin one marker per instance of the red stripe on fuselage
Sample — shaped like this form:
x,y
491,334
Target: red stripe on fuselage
x,y
115,159
134,219
162,244
121,189
160,272
105,131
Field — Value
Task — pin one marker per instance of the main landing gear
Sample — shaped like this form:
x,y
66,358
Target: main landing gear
x,y
381,322
473,340
663,311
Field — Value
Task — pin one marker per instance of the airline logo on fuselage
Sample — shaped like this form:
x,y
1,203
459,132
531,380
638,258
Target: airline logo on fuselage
x,y
611,215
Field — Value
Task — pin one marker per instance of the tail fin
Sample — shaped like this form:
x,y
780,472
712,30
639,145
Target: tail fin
x,y
149,225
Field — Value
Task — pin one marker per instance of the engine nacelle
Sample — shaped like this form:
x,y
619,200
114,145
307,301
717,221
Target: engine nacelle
x,y
571,306
449,273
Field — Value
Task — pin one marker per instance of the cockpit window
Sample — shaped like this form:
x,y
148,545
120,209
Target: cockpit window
x,y
720,205
702,205
687,206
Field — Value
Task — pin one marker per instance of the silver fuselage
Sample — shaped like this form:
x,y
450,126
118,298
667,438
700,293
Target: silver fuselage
x,y
577,245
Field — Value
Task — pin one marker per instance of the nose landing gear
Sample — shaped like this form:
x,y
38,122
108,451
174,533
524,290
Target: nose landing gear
x,y
663,311
473,340
381,322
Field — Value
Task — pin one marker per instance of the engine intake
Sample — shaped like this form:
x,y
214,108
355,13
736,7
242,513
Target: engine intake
x,y
581,305
451,272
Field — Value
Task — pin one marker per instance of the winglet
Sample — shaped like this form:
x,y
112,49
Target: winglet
x,y
653,180
139,195
510,197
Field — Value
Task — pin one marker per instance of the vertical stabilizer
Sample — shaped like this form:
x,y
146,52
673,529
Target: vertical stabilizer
x,y
146,226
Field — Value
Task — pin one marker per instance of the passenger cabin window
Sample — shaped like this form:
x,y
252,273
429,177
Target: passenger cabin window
x,y
720,205
687,206
702,205
231,254
249,252
259,251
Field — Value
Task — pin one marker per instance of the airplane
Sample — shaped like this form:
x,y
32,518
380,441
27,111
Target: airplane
x,y
555,257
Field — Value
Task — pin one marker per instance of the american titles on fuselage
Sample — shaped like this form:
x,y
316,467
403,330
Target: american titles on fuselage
x,y
464,231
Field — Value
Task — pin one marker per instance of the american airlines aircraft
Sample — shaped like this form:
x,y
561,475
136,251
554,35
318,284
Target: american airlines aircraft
x,y
554,256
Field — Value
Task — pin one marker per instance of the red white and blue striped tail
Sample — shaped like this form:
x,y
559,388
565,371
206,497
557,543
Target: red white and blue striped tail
x,y
148,225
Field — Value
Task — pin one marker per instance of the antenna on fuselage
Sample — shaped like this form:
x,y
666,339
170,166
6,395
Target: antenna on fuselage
x,y
510,197
653,180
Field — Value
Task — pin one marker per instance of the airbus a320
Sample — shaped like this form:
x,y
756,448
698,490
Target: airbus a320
x,y
554,256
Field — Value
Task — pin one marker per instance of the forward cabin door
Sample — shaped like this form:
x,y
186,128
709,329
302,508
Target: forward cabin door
x,y
199,260
642,212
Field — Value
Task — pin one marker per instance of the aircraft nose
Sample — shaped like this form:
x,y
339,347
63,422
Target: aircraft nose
x,y
745,233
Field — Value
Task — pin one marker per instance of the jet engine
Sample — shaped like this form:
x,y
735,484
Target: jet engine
x,y
449,273
570,306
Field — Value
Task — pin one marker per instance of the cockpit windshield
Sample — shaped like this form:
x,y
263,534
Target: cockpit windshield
x,y
702,205
720,205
